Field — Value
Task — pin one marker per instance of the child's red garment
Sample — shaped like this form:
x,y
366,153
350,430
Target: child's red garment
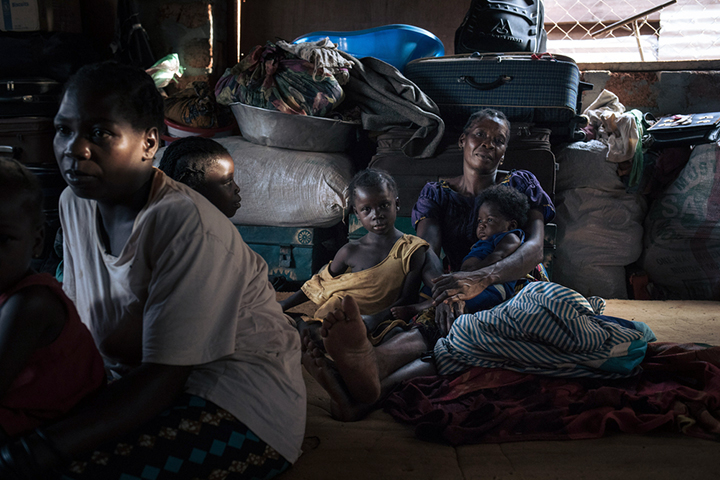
x,y
57,376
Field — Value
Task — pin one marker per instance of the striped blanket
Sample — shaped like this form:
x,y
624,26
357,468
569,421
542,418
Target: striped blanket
x,y
545,329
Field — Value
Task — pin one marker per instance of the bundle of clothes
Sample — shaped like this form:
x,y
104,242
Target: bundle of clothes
x,y
317,79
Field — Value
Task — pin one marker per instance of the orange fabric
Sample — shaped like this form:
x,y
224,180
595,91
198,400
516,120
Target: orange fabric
x,y
374,289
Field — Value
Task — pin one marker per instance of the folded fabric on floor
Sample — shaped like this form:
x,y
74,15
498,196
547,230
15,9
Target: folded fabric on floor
x,y
678,390
545,329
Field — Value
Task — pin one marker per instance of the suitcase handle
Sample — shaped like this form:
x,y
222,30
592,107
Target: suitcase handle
x,y
14,152
500,81
30,99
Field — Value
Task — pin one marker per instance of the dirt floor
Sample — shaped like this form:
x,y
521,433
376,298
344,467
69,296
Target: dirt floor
x,y
378,447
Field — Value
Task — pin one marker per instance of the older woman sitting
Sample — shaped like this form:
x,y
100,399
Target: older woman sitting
x,y
445,214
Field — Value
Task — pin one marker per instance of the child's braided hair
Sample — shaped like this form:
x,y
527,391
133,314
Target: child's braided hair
x,y
187,159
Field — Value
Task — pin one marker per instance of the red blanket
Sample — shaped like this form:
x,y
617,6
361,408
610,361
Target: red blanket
x,y
678,390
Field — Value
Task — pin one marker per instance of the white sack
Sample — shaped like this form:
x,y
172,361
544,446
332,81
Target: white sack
x,y
598,234
585,165
288,188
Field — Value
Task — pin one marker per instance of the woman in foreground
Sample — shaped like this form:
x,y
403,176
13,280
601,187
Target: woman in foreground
x,y
206,365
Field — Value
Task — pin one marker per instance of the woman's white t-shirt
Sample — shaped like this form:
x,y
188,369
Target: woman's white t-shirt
x,y
187,290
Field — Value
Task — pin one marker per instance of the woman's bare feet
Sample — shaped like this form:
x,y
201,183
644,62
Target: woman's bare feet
x,y
342,406
345,338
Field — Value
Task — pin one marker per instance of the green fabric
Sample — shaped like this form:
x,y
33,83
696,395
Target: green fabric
x,y
638,158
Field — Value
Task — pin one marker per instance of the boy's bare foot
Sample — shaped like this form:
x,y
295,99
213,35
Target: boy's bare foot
x,y
313,330
345,338
343,407
406,312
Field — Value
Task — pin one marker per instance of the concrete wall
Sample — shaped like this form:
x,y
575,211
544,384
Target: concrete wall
x,y
659,93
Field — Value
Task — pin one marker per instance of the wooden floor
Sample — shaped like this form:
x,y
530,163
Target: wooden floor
x,y
380,448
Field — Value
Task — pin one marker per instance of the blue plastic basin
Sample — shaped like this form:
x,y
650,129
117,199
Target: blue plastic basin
x,y
395,44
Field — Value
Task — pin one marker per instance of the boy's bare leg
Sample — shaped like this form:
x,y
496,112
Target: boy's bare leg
x,y
345,338
399,351
361,366
342,406
416,368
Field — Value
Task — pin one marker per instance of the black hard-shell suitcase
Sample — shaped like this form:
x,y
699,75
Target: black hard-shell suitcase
x,y
683,130
544,90
29,97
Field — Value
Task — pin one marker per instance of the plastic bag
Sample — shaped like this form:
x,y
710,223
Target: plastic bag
x,y
165,70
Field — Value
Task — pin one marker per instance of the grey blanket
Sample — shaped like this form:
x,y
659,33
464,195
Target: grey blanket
x,y
387,99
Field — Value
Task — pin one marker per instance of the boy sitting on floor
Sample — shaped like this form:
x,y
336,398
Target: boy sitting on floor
x,y
382,269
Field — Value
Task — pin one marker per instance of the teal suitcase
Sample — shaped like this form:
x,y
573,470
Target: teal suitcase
x,y
293,254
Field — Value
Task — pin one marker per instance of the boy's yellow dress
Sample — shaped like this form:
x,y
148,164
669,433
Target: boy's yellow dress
x,y
374,289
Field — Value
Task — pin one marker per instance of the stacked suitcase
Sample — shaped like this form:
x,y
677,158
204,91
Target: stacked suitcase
x,y
27,108
543,90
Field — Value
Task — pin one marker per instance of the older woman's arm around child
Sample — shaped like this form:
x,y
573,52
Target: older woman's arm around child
x,y
446,211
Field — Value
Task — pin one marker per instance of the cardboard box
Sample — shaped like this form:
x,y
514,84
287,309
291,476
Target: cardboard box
x,y
20,15
46,15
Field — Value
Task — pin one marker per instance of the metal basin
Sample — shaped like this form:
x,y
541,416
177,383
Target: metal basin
x,y
295,132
